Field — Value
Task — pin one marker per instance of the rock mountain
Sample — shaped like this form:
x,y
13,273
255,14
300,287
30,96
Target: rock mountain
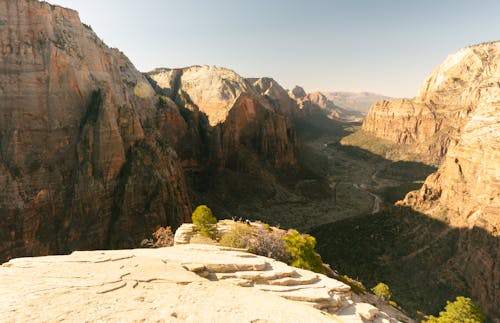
x,y
456,119
94,154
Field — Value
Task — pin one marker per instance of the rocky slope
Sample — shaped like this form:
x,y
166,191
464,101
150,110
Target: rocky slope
x,y
192,283
77,166
319,103
434,120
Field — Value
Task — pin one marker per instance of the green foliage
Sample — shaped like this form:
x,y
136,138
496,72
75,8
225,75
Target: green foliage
x,y
394,304
237,237
382,290
204,221
356,286
301,247
462,310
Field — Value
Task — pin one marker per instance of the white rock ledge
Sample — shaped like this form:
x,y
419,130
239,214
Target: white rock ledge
x,y
167,285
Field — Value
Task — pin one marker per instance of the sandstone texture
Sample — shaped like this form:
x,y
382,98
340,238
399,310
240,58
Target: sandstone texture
x,y
188,283
434,120
78,165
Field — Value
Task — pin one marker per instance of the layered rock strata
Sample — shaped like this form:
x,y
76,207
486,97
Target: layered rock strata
x,y
194,283
78,168
434,120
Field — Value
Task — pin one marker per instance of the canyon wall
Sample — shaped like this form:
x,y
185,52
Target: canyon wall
x,y
78,169
433,121
454,120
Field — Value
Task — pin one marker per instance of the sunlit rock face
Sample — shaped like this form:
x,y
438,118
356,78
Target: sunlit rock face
x,y
434,120
459,102
247,118
77,166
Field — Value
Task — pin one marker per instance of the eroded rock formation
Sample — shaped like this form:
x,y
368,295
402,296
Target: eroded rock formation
x,y
78,169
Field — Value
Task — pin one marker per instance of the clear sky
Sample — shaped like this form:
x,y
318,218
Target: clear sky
x,y
383,46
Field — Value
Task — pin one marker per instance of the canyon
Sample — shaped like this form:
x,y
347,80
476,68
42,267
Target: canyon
x,y
96,155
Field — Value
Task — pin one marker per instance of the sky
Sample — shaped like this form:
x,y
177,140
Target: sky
x,y
383,46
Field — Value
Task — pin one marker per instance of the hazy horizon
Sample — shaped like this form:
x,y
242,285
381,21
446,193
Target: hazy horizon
x,y
386,47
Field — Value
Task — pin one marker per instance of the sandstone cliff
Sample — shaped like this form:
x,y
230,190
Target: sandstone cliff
x,y
455,118
433,121
78,169
321,104
191,283
247,119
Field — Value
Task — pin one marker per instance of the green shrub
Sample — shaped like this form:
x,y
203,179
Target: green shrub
x,y
462,310
382,290
301,247
204,221
237,237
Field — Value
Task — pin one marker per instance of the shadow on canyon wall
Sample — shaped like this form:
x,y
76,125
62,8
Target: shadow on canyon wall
x,y
423,260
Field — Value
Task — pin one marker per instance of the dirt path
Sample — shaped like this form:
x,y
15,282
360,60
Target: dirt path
x,y
377,200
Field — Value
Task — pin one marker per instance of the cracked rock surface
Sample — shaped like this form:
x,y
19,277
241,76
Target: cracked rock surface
x,y
168,284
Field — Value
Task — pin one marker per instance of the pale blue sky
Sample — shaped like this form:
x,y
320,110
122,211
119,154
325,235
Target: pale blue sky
x,y
382,46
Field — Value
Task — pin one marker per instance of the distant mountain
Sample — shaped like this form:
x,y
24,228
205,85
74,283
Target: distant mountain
x,y
355,101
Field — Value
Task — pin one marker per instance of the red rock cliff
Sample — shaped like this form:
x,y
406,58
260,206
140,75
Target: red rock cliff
x,y
77,167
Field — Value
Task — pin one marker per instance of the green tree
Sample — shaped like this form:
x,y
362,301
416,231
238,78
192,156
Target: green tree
x,y
301,247
204,221
383,291
462,310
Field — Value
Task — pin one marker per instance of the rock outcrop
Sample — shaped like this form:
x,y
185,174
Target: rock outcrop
x,y
193,283
78,169
434,120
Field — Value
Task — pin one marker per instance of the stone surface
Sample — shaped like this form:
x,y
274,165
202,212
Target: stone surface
x,y
79,168
154,284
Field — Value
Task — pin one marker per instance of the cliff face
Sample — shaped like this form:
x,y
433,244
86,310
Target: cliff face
x,y
460,104
433,121
247,119
77,167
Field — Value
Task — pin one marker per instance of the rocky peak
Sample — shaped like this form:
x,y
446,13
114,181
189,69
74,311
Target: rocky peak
x,y
212,89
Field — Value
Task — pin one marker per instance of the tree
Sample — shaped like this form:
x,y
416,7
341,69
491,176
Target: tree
x,y
462,310
383,291
204,221
301,247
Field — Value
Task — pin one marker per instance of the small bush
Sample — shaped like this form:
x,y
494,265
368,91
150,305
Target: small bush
x,y
382,290
269,244
301,247
237,237
462,310
204,221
